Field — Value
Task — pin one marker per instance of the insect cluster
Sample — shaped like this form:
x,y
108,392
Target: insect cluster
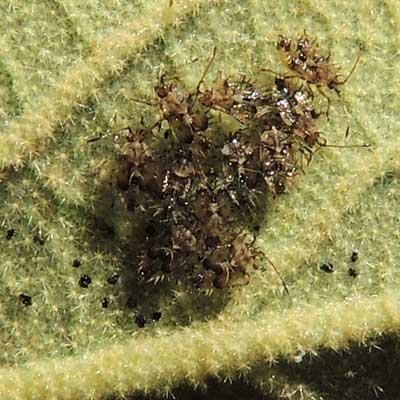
x,y
195,186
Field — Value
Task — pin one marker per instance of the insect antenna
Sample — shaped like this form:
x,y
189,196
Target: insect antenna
x,y
279,275
95,139
205,72
345,146
106,135
352,70
323,94
340,96
180,66
148,103
337,91
271,71
115,137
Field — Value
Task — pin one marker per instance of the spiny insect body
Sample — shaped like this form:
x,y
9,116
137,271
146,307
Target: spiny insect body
x,y
303,57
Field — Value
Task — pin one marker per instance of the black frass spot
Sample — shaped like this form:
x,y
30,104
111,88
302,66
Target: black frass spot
x,y
113,279
327,267
85,281
354,256
131,303
353,272
155,316
10,234
140,320
39,239
25,299
105,302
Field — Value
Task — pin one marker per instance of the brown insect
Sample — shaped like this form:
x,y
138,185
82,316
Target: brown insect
x,y
304,59
182,110
296,108
239,99
134,155
232,261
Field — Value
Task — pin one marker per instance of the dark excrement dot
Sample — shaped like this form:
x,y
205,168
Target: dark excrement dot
x,y
39,239
25,299
167,134
113,279
105,302
76,263
10,234
140,320
85,281
327,267
150,231
353,272
155,316
131,302
354,256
